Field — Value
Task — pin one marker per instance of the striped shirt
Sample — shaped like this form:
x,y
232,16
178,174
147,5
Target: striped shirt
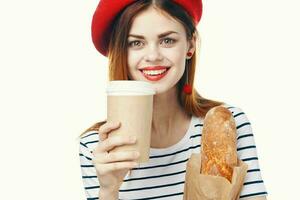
x,y
163,177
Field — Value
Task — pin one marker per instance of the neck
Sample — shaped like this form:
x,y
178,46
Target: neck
x,y
168,118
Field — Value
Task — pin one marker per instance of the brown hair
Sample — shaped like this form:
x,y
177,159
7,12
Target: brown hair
x,y
194,103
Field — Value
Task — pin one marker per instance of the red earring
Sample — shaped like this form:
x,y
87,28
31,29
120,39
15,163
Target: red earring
x,y
187,88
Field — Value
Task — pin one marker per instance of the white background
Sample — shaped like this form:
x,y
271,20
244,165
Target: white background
x,y
52,83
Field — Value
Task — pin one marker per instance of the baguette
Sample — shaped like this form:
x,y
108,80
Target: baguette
x,y
219,148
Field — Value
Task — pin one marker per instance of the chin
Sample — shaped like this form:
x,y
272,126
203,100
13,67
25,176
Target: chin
x,y
161,90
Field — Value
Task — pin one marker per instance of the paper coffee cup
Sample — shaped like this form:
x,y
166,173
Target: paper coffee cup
x,y
131,103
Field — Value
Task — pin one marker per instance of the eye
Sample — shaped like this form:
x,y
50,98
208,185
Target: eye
x,y
135,43
169,41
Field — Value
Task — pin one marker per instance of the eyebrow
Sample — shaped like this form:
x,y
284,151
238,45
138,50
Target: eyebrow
x,y
159,36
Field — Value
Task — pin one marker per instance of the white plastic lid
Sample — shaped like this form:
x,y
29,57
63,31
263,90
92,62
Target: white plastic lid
x,y
125,87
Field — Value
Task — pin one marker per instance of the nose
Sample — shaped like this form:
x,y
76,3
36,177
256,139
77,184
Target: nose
x,y
153,54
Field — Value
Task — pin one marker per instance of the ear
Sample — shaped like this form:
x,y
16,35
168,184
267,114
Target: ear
x,y
192,44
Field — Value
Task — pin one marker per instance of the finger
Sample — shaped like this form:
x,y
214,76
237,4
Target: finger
x,y
116,157
103,169
106,128
103,136
112,142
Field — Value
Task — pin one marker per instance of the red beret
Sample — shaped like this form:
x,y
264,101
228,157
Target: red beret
x,y
107,10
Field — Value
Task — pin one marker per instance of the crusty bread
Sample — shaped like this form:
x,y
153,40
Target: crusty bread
x,y
218,149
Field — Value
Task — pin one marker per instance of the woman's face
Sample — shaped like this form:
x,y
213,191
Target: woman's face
x,y
158,41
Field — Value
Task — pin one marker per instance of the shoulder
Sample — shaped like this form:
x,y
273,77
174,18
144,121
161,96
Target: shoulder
x,y
238,114
235,110
243,125
88,136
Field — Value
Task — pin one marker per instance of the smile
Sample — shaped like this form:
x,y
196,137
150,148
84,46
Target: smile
x,y
154,75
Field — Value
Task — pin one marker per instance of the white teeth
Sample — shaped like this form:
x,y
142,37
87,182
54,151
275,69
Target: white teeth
x,y
154,72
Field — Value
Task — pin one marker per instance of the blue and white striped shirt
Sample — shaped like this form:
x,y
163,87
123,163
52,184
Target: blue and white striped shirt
x,y
163,176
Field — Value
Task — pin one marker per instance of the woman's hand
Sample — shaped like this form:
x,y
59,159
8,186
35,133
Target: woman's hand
x,y
112,167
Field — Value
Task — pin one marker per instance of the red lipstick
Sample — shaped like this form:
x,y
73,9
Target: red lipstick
x,y
154,76
154,68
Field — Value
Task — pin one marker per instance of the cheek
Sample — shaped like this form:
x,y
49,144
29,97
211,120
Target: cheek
x,y
130,60
133,59
178,58
176,53
133,62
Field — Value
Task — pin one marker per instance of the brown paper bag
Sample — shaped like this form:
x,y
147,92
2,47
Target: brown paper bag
x,y
206,187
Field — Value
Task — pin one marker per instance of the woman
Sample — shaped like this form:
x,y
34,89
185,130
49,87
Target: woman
x,y
143,39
